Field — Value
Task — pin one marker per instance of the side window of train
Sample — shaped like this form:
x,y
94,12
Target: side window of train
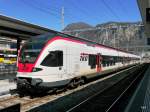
x,y
53,59
108,60
105,61
92,61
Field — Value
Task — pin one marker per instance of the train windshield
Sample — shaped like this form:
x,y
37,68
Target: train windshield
x,y
32,48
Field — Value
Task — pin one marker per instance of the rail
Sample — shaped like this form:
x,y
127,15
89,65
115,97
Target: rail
x,y
106,99
28,103
84,93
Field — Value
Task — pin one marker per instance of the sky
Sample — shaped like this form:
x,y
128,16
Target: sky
x,y
48,13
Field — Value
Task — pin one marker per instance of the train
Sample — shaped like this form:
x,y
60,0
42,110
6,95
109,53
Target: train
x,y
55,60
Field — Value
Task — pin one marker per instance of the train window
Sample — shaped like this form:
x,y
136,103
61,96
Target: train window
x,y
116,59
42,38
119,59
104,63
109,60
53,59
92,61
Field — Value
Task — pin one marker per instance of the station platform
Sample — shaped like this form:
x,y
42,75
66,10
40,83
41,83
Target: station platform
x,y
140,101
8,72
5,86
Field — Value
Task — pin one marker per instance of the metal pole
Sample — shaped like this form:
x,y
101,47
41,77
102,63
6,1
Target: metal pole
x,y
114,39
18,44
62,17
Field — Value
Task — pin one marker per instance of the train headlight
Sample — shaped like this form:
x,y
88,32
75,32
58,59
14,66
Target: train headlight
x,y
36,69
38,81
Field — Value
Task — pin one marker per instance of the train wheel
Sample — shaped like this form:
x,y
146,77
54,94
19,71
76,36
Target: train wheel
x,y
82,80
72,84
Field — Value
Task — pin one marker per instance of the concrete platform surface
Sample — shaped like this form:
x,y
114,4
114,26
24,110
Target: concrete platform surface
x,y
5,86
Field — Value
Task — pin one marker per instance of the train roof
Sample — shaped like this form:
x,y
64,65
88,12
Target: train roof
x,y
89,41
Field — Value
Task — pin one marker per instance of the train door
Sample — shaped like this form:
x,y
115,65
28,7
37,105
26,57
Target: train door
x,y
98,62
55,62
72,61
62,69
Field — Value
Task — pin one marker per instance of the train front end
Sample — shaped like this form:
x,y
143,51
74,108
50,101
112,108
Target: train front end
x,y
29,74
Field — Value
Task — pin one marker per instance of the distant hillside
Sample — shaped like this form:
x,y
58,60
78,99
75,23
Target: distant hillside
x,y
75,26
117,23
124,35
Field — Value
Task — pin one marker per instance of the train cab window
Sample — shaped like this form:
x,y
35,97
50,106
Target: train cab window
x,y
92,61
53,59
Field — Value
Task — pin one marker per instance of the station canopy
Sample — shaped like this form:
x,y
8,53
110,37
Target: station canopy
x,y
17,29
144,6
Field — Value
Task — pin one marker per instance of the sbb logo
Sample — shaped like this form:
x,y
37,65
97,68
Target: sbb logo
x,y
83,57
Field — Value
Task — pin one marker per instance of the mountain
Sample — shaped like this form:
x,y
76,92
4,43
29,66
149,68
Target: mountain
x,y
118,23
75,26
123,35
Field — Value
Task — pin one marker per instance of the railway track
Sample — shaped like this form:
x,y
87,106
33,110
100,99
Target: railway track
x,y
28,103
113,98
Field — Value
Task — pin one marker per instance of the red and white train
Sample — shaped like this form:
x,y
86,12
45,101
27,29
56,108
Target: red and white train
x,y
54,60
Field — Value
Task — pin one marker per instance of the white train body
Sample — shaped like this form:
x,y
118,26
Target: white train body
x,y
61,59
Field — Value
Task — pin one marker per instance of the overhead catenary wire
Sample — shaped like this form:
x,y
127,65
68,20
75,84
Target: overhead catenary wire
x,y
46,7
40,9
87,11
56,12
82,10
73,3
123,8
110,9
102,7
53,9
